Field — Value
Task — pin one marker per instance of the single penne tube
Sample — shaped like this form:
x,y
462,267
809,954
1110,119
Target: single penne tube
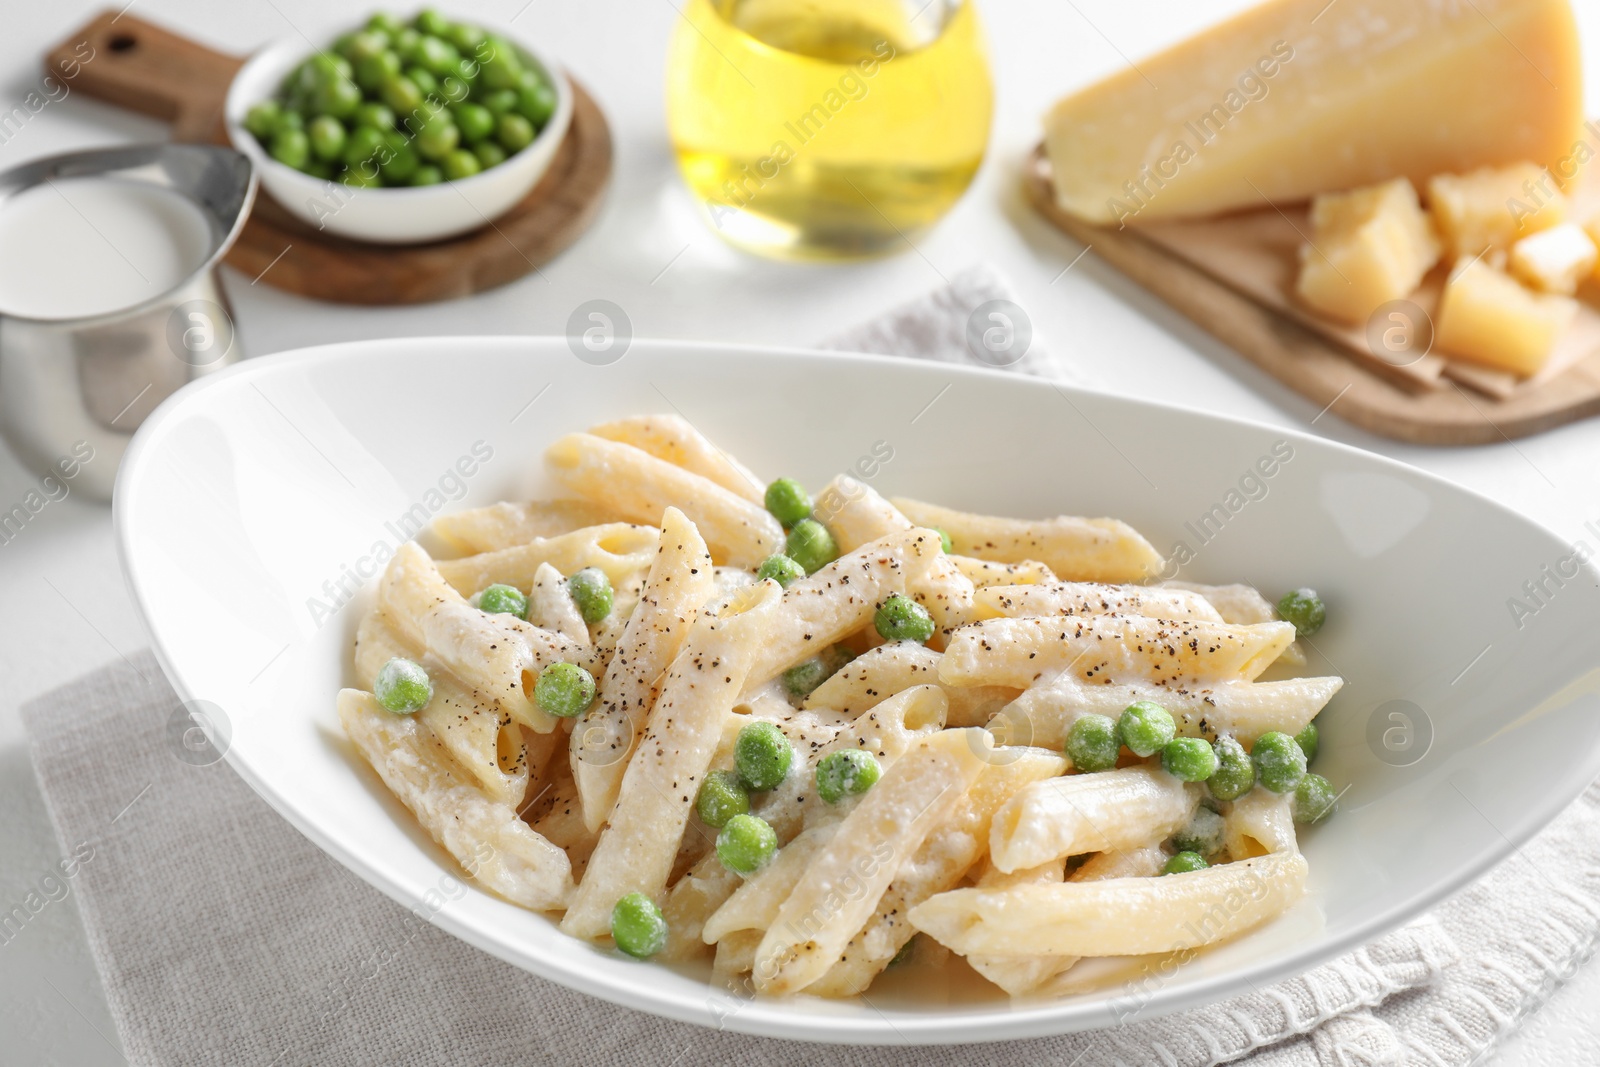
x,y
603,739
983,573
857,515
620,549
944,858
498,526
1076,549
1117,917
485,836
551,607
476,732
673,439
881,672
640,842
498,656
1043,714
1259,822
1080,813
736,954
1145,861
757,900
840,599
1174,653
1242,604
741,533
1090,598
840,888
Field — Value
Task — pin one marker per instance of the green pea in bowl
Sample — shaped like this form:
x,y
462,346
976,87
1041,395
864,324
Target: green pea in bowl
x,y
353,139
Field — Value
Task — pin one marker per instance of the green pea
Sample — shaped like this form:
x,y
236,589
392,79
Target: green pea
x,y
780,569
1184,862
500,101
466,37
1308,740
1092,743
899,618
327,137
373,71
402,95
638,927
590,589
809,543
365,45
438,56
762,755
1205,834
401,161
802,678
405,44
430,21
373,114
361,177
536,103
438,138
1188,759
500,599
290,119
290,147
475,120
362,145
746,844
1145,727
466,69
402,686
385,22
341,44
262,119
849,772
424,80
564,690
338,98
944,541
489,154
501,66
460,164
788,501
721,797
1235,775
1305,609
427,174
1314,799
1280,763
514,132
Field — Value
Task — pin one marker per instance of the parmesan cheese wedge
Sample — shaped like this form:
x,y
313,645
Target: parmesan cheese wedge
x,y
1299,97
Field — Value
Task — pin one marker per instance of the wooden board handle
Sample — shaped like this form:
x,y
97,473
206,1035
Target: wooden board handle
x,y
124,60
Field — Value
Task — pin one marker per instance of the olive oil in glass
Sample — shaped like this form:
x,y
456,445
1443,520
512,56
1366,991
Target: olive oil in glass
x,y
828,128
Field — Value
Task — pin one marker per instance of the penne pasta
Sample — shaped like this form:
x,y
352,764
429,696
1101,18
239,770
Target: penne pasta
x,y
881,672
550,606
1116,917
1076,549
1090,598
640,486
1242,604
485,836
1110,648
838,892
498,526
636,850
983,573
604,737
1042,715
1258,823
670,438
621,549
1081,813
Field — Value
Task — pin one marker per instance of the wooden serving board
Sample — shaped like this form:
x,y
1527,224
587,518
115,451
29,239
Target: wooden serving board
x,y
140,66
1431,401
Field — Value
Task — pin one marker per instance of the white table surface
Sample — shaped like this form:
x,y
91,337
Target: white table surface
x,y
63,608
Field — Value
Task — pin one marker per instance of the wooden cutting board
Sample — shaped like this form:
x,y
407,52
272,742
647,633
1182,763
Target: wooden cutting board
x,y
142,67
1430,401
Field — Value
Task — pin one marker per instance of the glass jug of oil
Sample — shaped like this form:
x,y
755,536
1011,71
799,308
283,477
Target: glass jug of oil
x,y
823,129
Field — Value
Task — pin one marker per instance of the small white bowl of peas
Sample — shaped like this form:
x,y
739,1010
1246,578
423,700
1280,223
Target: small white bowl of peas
x,y
402,130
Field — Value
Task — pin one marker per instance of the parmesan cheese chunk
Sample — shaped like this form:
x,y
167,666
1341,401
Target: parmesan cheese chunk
x,y
1368,246
1487,317
1493,208
1554,260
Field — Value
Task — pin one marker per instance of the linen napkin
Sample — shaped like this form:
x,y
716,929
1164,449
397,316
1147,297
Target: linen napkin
x,y
224,937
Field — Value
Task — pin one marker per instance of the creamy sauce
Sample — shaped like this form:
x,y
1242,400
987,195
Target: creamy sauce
x,y
77,247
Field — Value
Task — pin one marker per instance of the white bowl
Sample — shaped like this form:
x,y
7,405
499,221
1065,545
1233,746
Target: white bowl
x,y
391,216
249,490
